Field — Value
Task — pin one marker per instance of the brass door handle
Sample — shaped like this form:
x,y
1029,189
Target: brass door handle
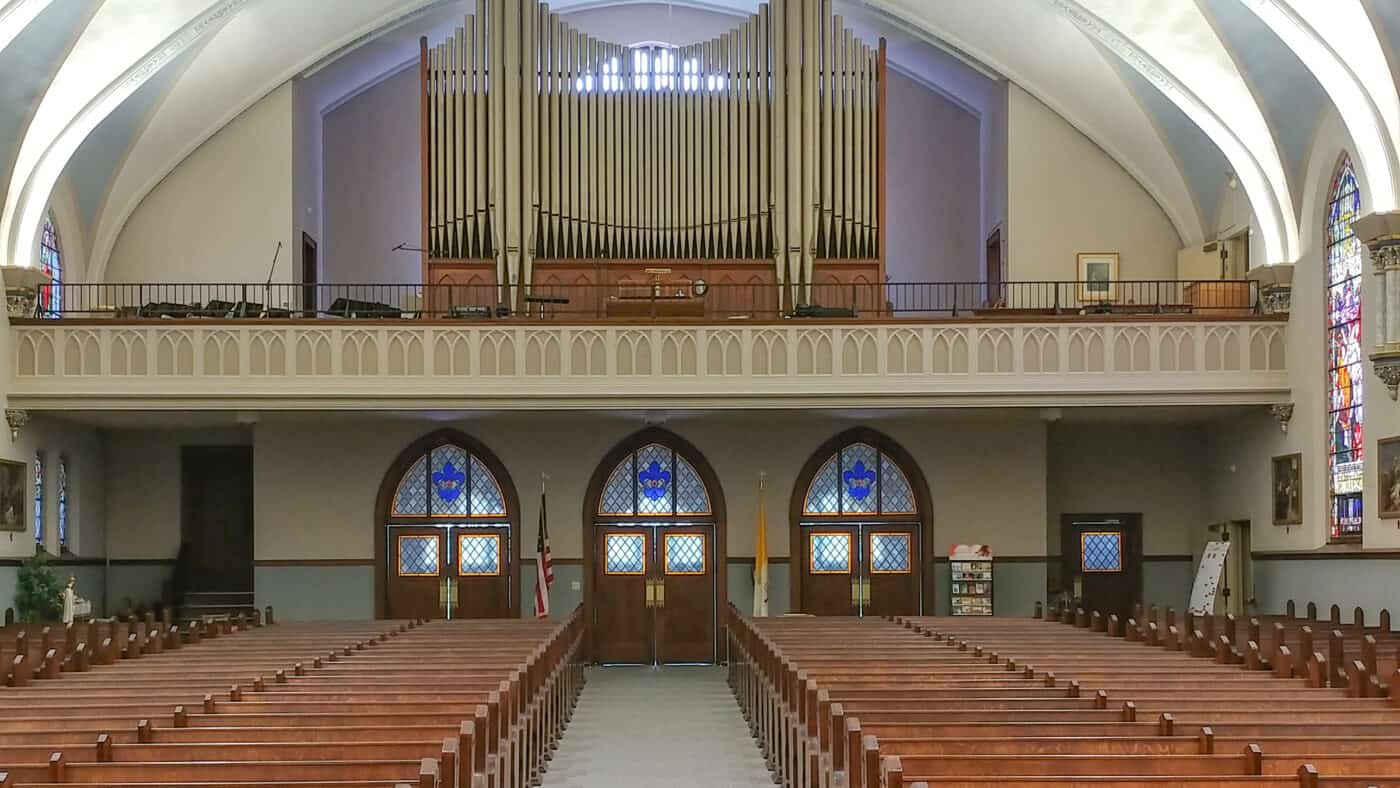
x,y
860,591
651,593
660,593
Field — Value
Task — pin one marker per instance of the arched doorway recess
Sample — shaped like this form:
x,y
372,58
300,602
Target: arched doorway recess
x,y
861,530
654,553
447,532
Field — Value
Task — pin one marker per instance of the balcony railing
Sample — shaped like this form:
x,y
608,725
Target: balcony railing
x,y
652,302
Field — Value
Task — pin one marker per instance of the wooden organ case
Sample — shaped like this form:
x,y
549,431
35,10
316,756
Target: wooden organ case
x,y
754,161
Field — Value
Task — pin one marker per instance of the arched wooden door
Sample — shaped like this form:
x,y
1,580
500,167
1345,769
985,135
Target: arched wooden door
x,y
654,553
448,536
859,536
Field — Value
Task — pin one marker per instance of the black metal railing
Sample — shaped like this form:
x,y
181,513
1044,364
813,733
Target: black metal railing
x,y
649,302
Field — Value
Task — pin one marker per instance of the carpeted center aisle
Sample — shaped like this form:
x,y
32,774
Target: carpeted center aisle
x,y
639,727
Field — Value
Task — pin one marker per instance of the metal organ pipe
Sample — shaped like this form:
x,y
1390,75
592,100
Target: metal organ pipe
x,y
542,143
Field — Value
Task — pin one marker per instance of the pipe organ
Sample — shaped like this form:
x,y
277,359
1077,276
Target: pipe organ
x,y
550,155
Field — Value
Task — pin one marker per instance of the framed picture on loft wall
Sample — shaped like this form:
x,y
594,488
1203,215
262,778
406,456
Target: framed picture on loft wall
x,y
1389,468
1097,274
1288,489
13,495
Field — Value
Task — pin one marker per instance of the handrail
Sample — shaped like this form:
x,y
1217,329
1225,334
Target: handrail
x,y
647,302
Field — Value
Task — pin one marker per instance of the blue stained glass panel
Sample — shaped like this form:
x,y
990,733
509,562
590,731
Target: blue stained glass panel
x,y
685,554
448,481
479,554
617,495
1101,551
626,554
824,493
691,497
486,498
654,480
418,555
858,479
51,263
829,553
896,496
411,499
39,498
62,501
889,553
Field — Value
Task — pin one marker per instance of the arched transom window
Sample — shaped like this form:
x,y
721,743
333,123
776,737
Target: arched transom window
x,y
448,482
654,481
1345,363
859,480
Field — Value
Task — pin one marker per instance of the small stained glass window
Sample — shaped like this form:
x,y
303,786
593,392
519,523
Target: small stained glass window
x,y
626,554
448,481
418,556
896,496
655,478
691,497
685,554
478,554
889,553
487,500
824,494
51,263
411,499
39,498
62,501
859,479
829,553
618,495
1101,551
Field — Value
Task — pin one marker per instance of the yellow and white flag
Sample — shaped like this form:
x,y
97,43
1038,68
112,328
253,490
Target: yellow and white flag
x,y
760,559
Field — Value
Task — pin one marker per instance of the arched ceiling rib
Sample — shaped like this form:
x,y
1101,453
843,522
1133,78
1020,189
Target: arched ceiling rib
x,y
1206,60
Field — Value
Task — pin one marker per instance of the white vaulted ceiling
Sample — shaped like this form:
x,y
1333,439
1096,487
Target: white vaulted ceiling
x,y
113,94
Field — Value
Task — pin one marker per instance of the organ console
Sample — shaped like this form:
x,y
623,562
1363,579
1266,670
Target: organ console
x,y
553,158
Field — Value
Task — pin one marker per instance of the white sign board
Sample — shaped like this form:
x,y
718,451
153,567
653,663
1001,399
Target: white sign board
x,y
1208,578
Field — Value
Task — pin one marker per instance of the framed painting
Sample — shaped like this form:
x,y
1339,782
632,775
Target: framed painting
x,y
1388,450
14,494
1288,489
1097,274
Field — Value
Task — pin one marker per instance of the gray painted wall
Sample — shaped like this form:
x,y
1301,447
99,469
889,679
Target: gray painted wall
x,y
1368,582
1167,582
303,593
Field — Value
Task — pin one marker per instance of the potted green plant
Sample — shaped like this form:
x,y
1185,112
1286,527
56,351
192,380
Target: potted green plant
x,y
37,595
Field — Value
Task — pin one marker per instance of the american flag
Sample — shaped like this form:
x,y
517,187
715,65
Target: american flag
x,y
544,566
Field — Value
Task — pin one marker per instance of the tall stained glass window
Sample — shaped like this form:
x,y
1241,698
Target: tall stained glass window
x,y
62,502
1345,372
51,262
39,498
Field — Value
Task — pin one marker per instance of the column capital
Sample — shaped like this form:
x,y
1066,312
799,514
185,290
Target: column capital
x,y
1380,232
1386,362
16,418
1282,413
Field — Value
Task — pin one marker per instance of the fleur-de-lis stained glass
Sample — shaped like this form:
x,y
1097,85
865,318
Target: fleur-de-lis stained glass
x,y
859,480
654,481
448,482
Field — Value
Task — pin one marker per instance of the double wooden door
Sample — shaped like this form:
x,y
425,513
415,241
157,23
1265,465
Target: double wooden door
x,y
861,570
654,595
449,571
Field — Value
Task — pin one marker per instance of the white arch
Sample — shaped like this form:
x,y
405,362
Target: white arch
x,y
1174,47
126,42
1365,119
16,15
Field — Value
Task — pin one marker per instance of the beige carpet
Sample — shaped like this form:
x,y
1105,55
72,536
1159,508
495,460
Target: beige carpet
x,y
644,728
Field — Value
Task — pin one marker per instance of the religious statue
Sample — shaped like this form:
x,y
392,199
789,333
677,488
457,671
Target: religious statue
x,y
73,605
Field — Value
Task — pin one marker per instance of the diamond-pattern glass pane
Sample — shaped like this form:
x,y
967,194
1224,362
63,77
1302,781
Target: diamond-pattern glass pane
x,y
685,554
889,553
858,475
62,501
626,554
448,482
655,480
691,497
418,555
617,494
412,497
896,496
829,553
479,554
1102,551
824,494
487,500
